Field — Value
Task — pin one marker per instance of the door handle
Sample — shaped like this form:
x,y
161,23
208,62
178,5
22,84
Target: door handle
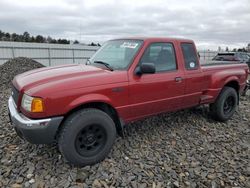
x,y
178,79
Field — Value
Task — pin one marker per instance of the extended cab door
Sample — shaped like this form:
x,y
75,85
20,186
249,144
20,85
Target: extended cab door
x,y
161,91
193,77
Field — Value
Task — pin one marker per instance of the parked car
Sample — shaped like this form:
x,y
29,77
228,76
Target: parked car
x,y
83,107
240,57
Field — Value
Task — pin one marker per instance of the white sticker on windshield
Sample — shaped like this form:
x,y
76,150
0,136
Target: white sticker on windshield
x,y
192,64
129,45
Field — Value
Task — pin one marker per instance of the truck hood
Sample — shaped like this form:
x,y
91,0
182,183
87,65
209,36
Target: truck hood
x,y
59,78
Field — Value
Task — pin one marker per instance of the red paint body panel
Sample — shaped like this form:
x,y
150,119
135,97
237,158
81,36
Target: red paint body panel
x,y
64,88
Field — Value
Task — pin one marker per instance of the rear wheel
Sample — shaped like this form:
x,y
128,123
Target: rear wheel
x,y
225,105
87,137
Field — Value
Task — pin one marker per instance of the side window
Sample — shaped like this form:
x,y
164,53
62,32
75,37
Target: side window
x,y
240,56
245,57
162,55
190,56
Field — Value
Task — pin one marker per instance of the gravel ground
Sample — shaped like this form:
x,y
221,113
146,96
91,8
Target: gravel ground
x,y
181,149
14,67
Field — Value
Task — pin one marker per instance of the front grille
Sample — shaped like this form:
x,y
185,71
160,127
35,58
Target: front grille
x,y
15,94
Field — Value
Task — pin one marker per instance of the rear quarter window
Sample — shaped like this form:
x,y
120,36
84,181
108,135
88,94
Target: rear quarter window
x,y
190,56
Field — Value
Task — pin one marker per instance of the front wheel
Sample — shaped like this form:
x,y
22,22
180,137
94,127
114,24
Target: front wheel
x,y
225,105
87,137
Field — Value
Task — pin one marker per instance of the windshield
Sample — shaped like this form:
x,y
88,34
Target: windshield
x,y
118,54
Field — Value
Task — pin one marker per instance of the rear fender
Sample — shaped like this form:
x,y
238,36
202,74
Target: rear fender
x,y
220,79
231,79
228,82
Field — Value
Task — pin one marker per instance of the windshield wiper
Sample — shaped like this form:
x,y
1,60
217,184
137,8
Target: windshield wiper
x,y
105,64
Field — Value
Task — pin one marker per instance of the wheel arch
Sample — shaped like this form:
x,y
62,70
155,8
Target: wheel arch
x,y
100,105
235,85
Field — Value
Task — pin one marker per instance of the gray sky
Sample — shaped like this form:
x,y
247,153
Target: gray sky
x,y
209,23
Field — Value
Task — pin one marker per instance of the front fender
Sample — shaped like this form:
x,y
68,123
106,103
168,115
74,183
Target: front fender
x,y
89,98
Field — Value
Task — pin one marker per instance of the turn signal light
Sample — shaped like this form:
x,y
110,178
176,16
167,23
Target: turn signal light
x,y
37,105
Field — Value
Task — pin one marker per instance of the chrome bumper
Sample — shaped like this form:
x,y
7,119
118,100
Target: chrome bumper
x,y
37,131
22,120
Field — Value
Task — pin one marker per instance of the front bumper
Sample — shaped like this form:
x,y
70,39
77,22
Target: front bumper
x,y
36,131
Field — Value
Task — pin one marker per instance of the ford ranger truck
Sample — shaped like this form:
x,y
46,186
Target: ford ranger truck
x,y
83,107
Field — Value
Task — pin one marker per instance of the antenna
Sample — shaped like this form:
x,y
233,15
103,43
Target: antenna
x,y
80,31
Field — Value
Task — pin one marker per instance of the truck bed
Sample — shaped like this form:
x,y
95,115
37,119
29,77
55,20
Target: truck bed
x,y
211,63
224,66
216,74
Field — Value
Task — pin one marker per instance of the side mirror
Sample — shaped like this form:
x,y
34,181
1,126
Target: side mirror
x,y
145,68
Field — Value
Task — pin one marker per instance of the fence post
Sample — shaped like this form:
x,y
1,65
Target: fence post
x,y
49,57
13,52
73,53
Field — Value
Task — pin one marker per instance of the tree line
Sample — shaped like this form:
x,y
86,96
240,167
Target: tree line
x,y
26,37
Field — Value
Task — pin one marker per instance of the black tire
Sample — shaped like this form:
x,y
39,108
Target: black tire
x,y
86,137
225,104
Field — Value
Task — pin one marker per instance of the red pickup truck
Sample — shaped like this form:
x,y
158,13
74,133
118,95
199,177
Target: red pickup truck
x,y
83,107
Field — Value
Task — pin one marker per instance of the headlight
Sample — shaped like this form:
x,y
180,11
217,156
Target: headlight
x,y
32,104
